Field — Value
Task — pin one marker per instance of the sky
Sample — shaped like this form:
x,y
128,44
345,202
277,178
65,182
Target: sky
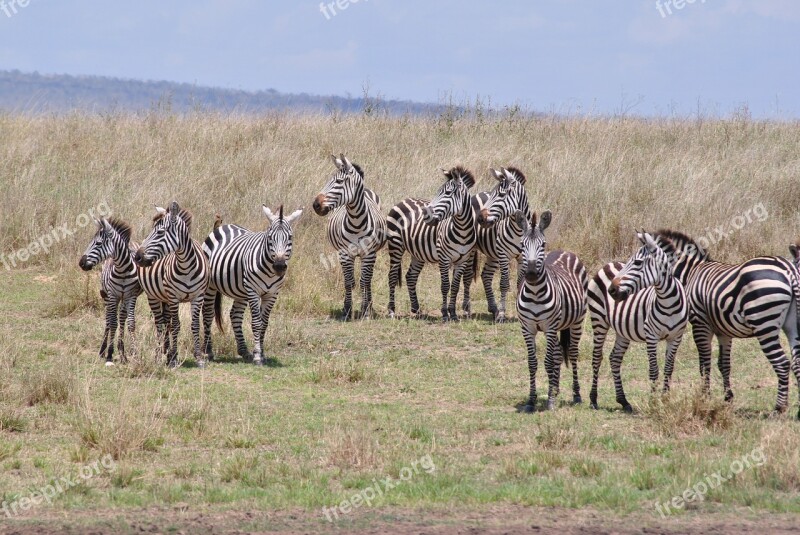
x,y
642,57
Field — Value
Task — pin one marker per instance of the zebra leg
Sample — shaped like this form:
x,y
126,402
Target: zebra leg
x,y
237,315
529,333
208,319
197,311
112,308
505,286
620,347
444,273
669,361
158,320
771,346
255,317
652,362
124,307
174,330
266,308
455,284
702,339
600,332
572,354
349,283
367,269
412,275
469,269
724,365
111,318
395,268
487,276
166,319
130,303
552,363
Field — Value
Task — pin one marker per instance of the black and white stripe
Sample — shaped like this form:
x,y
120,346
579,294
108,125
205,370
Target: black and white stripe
x,y
641,301
119,281
552,300
757,298
356,228
441,232
176,272
499,235
250,268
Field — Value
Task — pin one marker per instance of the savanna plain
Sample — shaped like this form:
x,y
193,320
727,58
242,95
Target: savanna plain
x,y
340,407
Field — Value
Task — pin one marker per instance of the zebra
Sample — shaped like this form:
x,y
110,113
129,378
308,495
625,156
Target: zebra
x,y
249,267
552,299
499,237
119,281
441,231
356,229
177,272
754,299
643,302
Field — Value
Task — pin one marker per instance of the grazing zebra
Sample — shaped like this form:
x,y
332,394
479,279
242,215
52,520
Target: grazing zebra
x,y
643,302
499,235
356,229
119,281
552,299
249,267
177,272
756,298
442,232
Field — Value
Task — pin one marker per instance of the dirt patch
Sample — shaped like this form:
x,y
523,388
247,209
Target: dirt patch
x,y
510,520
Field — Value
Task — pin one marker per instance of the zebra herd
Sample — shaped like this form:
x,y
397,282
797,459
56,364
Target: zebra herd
x,y
668,283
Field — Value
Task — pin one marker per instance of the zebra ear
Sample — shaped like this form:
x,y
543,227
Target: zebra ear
x,y
294,216
268,213
519,217
174,209
516,174
649,242
498,175
544,220
794,251
105,225
160,210
346,163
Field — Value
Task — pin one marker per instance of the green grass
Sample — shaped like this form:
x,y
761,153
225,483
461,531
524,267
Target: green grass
x,y
343,404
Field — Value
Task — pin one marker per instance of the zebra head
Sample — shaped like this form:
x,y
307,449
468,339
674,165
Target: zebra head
x,y
343,187
506,198
452,198
533,243
648,266
170,233
279,238
104,243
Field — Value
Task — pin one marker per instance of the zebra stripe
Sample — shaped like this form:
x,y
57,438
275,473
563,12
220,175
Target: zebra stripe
x,y
441,232
756,298
356,228
177,272
499,236
642,302
552,299
119,281
250,268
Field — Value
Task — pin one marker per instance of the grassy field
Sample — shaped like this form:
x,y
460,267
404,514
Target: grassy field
x,y
342,406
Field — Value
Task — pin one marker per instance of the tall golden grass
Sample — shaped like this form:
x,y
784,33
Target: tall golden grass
x,y
602,177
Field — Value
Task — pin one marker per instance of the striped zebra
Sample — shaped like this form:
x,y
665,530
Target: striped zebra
x,y
552,299
177,272
119,281
755,299
250,268
440,232
643,302
356,229
499,236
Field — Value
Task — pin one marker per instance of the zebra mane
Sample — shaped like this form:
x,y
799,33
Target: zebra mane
x,y
358,169
518,174
184,214
682,243
463,173
121,227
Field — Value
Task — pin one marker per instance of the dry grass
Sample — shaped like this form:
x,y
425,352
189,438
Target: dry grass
x,y
685,414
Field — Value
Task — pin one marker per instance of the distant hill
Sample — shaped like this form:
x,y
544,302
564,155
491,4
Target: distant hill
x,y
45,93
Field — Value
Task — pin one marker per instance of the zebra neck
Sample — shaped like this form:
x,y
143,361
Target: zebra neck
x,y
264,263
465,217
666,287
187,255
542,285
358,206
123,258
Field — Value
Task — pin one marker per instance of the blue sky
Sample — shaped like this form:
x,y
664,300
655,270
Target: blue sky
x,y
569,56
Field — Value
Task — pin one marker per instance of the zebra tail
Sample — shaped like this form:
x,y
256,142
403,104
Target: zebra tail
x,y
565,340
218,310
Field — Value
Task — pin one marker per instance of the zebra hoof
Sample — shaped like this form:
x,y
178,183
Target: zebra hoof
x,y
172,363
109,363
258,362
529,408
627,408
551,405
201,363
576,399
500,318
728,396
798,414
594,406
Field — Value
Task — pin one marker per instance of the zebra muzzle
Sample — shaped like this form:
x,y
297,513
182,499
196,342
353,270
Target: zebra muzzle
x,y
319,205
483,218
84,263
140,259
